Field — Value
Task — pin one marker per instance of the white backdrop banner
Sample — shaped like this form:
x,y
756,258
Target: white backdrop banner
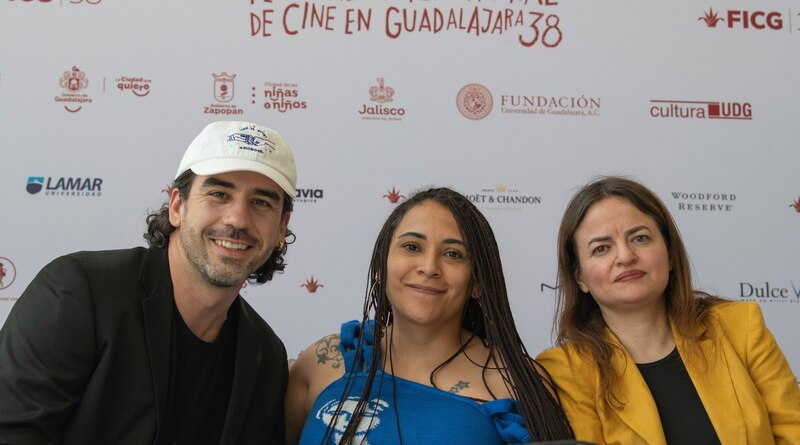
x,y
515,103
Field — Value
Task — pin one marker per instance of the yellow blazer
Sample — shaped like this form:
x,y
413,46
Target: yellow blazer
x,y
746,386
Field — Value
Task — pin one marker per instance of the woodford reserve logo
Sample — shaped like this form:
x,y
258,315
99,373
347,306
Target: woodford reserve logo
x,y
474,101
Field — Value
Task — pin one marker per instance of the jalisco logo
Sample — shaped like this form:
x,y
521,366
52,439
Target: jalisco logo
x,y
281,96
312,285
736,18
550,105
137,85
394,196
73,81
309,195
65,186
8,273
503,198
691,109
769,293
474,101
223,93
381,94
704,202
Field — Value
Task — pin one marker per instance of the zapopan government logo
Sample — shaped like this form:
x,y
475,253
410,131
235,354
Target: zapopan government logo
x,y
8,273
744,19
694,109
474,101
223,86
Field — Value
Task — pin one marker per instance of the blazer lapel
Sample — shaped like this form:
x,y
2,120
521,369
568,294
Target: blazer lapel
x,y
714,385
248,361
157,310
640,408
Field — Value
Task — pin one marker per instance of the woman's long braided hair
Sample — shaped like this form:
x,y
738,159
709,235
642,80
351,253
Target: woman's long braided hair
x,y
489,317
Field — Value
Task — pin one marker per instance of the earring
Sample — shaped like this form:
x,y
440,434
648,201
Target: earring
x,y
280,245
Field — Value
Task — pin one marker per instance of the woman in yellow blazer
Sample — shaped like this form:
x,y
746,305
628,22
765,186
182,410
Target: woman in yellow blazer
x,y
643,358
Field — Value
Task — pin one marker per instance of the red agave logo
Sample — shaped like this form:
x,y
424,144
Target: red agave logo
x,y
796,205
394,196
8,273
73,81
474,101
312,285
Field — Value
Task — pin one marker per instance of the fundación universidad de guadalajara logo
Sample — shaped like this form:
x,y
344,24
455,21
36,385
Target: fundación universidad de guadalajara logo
x,y
474,101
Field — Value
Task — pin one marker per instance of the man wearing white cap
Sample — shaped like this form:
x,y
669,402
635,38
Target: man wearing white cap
x,y
155,345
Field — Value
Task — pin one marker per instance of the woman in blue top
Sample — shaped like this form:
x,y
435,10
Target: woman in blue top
x,y
436,357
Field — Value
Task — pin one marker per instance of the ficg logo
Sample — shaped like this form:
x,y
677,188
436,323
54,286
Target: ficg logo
x,y
744,19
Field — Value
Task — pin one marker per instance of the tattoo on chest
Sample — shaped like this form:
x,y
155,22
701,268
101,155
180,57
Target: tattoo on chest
x,y
459,386
328,352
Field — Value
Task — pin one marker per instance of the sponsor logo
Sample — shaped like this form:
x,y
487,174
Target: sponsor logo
x,y
503,198
73,82
376,110
688,109
8,273
394,196
312,285
63,186
767,292
744,19
796,205
704,202
281,96
139,86
474,101
309,195
223,94
580,106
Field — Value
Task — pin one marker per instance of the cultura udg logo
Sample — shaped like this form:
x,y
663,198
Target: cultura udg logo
x,y
312,285
474,101
394,196
700,109
8,273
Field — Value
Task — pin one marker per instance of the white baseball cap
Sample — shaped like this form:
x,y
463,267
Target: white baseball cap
x,y
227,146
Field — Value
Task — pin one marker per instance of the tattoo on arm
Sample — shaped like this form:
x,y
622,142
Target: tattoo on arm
x,y
459,386
328,351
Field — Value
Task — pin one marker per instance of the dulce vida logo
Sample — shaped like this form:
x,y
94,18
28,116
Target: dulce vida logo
x,y
8,273
312,285
474,101
394,196
73,81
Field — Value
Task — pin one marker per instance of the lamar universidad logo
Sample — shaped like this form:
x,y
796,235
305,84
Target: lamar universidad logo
x,y
63,186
